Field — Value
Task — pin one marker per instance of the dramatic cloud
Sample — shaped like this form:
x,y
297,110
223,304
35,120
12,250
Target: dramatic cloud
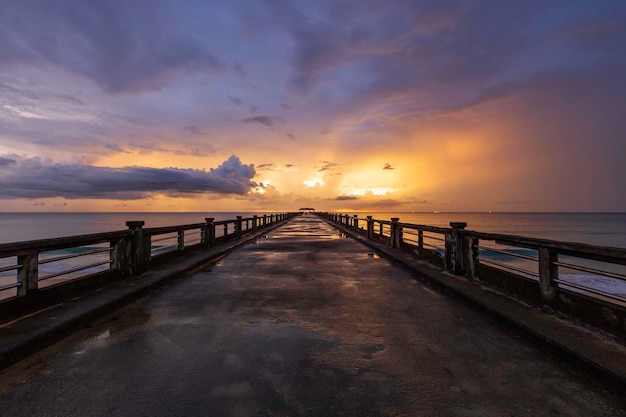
x,y
37,178
346,198
125,47
475,101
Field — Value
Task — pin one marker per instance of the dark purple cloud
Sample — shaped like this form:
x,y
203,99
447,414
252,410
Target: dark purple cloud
x,y
269,121
237,101
37,178
193,129
7,161
123,46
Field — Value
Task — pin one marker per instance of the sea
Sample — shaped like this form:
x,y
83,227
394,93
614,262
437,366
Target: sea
x,y
601,229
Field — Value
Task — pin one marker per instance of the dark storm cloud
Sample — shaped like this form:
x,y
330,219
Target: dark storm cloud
x,y
453,54
123,46
269,121
37,178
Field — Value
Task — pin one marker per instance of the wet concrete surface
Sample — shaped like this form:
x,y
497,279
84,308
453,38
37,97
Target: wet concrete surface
x,y
304,322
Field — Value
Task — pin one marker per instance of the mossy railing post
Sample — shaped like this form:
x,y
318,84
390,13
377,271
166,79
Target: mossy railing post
x,y
28,273
470,256
396,231
139,249
548,272
181,240
238,227
208,238
121,255
370,227
255,219
454,248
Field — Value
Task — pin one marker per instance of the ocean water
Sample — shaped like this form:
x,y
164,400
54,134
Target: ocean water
x,y
18,227
603,229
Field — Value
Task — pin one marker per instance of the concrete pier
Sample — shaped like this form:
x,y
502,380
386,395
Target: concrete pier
x,y
304,322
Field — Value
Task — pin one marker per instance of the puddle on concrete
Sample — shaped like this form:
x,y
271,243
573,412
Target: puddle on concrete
x,y
341,235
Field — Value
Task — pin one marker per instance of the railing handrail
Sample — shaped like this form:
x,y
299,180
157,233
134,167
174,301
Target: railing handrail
x,y
55,243
160,230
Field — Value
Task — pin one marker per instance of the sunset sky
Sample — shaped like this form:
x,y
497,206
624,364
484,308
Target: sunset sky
x,y
357,105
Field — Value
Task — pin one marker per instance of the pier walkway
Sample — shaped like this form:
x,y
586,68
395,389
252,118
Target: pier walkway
x,y
303,322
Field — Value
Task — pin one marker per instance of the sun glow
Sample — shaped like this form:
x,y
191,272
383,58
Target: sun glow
x,y
313,182
377,191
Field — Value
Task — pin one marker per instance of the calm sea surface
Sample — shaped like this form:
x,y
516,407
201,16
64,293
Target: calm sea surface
x,y
592,228
606,229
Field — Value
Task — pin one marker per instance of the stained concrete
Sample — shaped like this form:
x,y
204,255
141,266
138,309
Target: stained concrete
x,y
304,322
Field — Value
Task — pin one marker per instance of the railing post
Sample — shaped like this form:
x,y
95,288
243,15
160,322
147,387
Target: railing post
x,y
181,240
470,255
356,222
395,233
28,274
140,248
265,220
225,230
121,255
370,227
238,227
254,222
420,241
548,272
454,248
208,238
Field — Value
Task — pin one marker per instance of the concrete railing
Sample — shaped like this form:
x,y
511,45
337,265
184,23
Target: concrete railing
x,y
32,271
582,281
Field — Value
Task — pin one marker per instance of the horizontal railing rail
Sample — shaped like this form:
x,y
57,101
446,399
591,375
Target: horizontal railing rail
x,y
557,272
30,267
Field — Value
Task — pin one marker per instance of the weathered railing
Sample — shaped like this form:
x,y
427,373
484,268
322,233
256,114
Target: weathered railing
x,y
585,281
29,269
